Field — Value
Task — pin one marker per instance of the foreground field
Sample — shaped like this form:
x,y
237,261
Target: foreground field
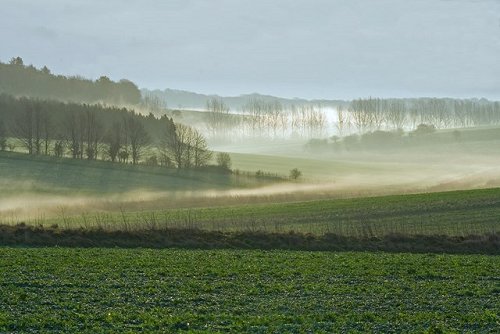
x,y
116,290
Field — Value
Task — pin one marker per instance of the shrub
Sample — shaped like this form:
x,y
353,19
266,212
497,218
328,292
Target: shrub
x,y
351,142
424,129
317,144
380,139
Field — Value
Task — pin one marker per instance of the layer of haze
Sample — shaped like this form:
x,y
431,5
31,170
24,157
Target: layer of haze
x,y
353,175
311,49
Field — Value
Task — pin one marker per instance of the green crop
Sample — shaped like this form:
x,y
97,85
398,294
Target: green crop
x,y
116,290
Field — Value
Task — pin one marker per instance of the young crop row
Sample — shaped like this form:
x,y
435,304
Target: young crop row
x,y
117,290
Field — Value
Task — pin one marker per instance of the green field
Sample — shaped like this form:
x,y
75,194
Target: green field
x,y
116,290
218,201
49,175
454,213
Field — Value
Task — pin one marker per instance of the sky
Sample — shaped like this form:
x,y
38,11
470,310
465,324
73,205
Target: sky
x,y
296,48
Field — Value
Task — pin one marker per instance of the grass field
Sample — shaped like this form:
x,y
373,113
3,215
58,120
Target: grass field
x,y
45,187
55,290
453,213
49,175
32,185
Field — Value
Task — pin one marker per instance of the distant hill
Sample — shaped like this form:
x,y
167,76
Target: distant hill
x,y
18,79
185,100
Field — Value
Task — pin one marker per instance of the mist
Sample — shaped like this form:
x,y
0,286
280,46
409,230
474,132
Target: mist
x,y
357,174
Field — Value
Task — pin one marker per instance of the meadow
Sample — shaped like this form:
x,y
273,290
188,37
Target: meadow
x,y
454,213
55,290
41,188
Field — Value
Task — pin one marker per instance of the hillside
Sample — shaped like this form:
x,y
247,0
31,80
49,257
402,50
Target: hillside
x,y
19,79
184,99
45,175
39,185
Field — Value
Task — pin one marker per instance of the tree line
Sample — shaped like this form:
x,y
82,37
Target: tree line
x,y
271,119
19,79
85,131
261,118
373,114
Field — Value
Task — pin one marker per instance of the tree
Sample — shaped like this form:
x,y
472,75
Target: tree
x,y
185,146
73,134
129,93
295,174
3,136
114,139
23,128
341,120
223,160
202,154
396,114
17,61
46,130
59,148
138,138
92,134
217,116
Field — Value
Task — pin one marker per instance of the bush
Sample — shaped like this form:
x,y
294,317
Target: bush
x,y
424,129
351,142
317,144
381,139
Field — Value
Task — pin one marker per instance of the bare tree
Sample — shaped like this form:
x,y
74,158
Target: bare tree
x,y
396,114
138,138
173,144
341,120
47,131
23,128
73,134
202,154
114,139
361,118
91,134
185,146
217,117
3,136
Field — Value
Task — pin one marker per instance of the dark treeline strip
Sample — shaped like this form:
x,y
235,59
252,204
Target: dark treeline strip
x,y
20,80
94,131
37,236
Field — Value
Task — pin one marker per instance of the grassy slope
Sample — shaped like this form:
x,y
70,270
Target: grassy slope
x,y
451,213
116,290
421,153
20,172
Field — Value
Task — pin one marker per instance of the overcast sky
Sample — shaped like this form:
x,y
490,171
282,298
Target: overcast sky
x,y
295,48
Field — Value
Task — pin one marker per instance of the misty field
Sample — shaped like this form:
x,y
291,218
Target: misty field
x,y
118,290
455,213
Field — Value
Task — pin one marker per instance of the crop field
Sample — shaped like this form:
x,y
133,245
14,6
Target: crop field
x,y
454,213
117,290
